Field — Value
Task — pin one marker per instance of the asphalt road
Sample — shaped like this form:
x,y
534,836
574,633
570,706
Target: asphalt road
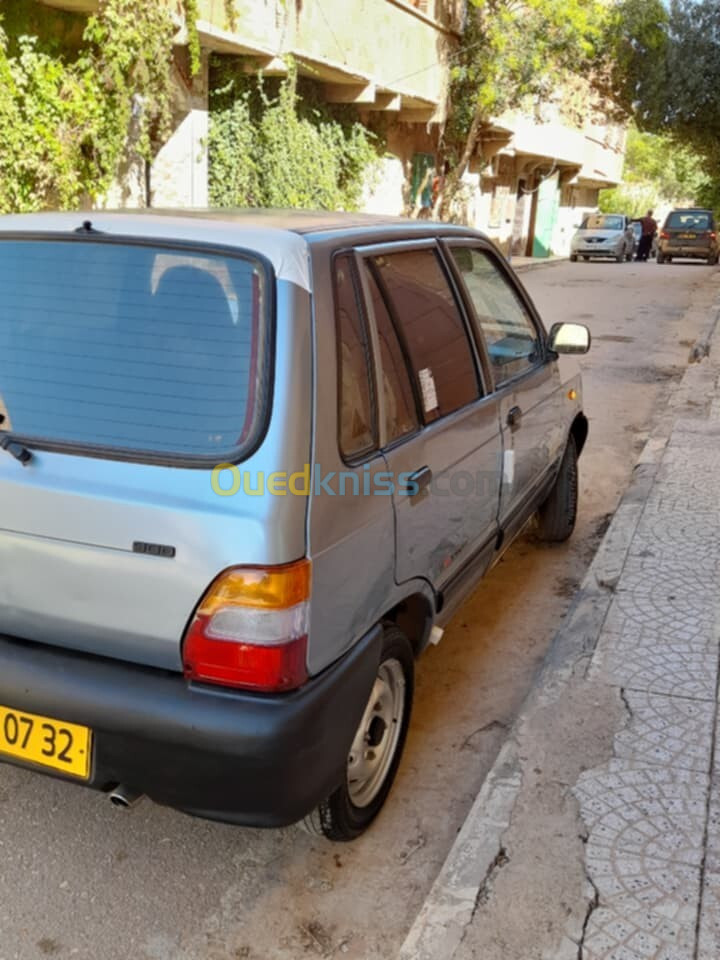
x,y
80,879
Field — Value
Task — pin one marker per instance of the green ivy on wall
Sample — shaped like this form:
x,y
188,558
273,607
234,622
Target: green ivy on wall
x,y
66,108
273,143
191,17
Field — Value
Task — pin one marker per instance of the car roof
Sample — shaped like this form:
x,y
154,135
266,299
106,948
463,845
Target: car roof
x,y
282,236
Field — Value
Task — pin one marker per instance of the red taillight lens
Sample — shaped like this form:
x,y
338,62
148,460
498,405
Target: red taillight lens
x,y
713,235
664,235
250,630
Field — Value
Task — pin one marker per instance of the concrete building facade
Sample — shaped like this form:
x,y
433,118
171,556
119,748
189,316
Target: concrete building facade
x,y
528,185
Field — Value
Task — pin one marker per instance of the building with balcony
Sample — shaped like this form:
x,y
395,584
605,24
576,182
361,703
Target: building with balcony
x,y
527,186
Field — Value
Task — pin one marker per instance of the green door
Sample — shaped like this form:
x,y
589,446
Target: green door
x,y
548,203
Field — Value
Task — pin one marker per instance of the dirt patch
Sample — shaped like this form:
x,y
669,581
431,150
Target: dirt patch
x,y
657,374
614,338
565,587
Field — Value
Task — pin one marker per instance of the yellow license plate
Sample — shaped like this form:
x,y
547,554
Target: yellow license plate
x,y
46,742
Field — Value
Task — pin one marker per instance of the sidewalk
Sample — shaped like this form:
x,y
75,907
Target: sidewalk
x,y
596,835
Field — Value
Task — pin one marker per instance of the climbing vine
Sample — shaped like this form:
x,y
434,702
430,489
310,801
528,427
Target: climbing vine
x,y
66,111
191,18
274,143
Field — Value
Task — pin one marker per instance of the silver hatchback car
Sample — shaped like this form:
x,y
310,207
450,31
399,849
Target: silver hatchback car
x,y
604,235
249,466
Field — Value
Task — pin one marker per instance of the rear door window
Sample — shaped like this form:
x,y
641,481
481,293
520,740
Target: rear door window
x,y
143,349
401,417
430,324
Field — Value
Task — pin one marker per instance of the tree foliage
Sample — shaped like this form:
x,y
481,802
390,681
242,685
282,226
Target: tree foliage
x,y
65,113
514,52
658,172
667,73
273,143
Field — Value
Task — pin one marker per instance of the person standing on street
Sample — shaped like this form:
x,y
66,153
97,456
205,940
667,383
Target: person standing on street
x,y
649,229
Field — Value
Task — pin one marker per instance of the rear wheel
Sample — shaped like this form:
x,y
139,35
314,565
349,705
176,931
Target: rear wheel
x,y
376,749
557,514
585,258
712,259
660,258
573,258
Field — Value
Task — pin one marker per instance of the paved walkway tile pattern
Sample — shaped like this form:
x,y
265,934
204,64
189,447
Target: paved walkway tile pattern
x,y
653,812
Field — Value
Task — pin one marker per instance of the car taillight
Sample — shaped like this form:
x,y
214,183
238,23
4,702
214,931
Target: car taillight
x,y
664,235
250,629
713,235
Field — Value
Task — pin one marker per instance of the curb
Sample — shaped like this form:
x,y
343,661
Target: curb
x,y
540,265
477,852
701,347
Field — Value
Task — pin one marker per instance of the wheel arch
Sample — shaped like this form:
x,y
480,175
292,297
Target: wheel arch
x,y
579,431
413,615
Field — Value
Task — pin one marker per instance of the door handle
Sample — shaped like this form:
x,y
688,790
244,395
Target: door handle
x,y
420,479
514,418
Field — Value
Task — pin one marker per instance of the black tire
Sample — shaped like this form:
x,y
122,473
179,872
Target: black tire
x,y
339,817
620,257
629,256
573,258
660,258
557,515
585,258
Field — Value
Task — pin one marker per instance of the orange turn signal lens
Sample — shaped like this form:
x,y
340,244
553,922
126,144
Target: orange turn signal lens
x,y
572,394
265,588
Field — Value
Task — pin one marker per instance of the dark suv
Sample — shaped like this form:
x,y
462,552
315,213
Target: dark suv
x,y
689,232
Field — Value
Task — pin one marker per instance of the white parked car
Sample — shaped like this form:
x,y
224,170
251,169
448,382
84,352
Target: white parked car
x,y
604,235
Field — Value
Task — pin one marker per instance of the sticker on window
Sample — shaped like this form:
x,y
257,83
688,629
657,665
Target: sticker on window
x,y
508,467
427,387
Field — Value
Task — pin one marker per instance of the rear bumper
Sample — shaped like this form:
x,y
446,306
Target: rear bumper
x,y
259,760
677,250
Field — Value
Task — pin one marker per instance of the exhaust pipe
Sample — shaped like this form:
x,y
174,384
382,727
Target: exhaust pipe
x,y
124,797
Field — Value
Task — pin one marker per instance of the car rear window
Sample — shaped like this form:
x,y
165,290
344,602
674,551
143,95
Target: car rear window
x,y
130,347
690,220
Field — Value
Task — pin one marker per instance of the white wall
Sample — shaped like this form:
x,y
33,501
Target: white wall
x,y
383,192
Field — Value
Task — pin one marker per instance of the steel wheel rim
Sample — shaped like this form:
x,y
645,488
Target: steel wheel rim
x,y
376,740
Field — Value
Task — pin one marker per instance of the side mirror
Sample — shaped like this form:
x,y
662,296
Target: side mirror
x,y
569,338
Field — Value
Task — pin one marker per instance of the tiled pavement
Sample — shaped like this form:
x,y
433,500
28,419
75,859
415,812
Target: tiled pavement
x,y
652,812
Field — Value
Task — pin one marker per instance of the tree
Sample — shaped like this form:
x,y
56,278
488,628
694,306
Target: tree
x,y
658,171
689,100
669,77
635,51
513,52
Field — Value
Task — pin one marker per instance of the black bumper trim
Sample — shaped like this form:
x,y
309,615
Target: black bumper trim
x,y
254,759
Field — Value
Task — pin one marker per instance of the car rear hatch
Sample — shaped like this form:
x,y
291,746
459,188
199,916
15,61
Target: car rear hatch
x,y
689,231
128,371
